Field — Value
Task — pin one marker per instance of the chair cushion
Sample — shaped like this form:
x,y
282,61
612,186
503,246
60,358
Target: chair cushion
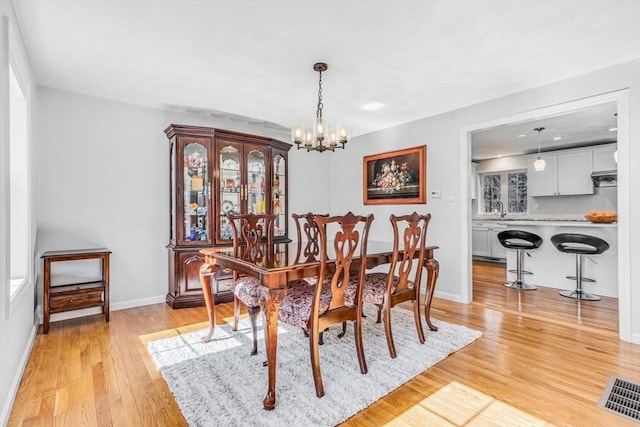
x,y
247,290
295,308
375,285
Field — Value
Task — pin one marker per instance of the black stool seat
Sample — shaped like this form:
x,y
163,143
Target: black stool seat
x,y
579,245
519,240
573,243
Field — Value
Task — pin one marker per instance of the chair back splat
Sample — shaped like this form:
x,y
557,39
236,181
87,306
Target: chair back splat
x,y
308,248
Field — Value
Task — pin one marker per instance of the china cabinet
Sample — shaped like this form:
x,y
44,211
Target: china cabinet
x,y
213,173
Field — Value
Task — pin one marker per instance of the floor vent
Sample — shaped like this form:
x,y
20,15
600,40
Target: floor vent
x,y
621,397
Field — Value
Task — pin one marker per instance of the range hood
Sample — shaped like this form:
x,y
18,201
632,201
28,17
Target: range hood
x,y
605,178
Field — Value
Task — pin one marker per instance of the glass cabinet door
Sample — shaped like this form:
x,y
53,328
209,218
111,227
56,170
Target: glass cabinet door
x,y
256,182
278,195
196,192
231,190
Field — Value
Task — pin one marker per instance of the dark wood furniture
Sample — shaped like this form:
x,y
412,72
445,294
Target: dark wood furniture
x,y
402,282
74,294
280,268
315,308
215,172
249,231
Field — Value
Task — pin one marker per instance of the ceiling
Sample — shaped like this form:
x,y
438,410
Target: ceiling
x,y
588,126
252,61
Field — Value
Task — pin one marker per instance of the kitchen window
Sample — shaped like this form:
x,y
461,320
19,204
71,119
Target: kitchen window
x,y
504,186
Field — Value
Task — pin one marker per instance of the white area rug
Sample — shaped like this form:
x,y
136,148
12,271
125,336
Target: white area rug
x,y
220,384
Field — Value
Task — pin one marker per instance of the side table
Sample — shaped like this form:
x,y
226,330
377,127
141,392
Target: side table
x,y
75,296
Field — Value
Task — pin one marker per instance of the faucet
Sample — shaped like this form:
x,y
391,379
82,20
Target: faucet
x,y
501,205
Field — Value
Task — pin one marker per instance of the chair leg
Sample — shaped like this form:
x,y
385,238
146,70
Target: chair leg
x,y
416,317
344,330
314,337
236,312
253,314
378,320
388,333
357,325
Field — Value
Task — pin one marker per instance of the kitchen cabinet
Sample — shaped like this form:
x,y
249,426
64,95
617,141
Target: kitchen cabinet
x,y
603,159
215,172
484,240
566,173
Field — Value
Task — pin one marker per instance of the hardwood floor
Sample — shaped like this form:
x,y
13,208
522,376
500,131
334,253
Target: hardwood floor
x,y
537,363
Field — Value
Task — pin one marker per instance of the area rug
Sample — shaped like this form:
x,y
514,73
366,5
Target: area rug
x,y
219,384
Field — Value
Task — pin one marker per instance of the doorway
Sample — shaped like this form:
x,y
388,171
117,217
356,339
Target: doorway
x,y
622,107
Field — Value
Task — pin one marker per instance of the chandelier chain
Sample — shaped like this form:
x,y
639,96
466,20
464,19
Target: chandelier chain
x,y
320,105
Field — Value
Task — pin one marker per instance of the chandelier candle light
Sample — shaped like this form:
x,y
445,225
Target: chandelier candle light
x,y
321,138
539,164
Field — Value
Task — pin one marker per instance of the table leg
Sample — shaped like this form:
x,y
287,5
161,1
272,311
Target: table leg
x,y
433,268
207,275
270,301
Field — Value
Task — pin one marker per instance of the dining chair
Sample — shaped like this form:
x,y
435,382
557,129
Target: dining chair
x,y
249,233
315,308
402,282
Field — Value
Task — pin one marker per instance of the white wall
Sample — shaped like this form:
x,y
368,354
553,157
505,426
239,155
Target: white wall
x,y
17,315
441,134
103,178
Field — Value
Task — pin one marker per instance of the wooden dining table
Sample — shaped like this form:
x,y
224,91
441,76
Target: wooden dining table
x,y
280,265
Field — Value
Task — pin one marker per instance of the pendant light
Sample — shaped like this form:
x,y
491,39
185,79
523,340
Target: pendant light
x,y
539,164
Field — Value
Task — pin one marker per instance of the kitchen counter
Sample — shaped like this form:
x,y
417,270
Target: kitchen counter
x,y
565,222
550,267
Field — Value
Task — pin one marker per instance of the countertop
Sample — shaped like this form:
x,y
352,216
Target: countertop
x,y
533,221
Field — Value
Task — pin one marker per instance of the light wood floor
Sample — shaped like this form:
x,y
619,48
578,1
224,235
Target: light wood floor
x,y
537,363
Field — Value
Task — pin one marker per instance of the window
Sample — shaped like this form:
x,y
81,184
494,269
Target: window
x,y
19,179
514,192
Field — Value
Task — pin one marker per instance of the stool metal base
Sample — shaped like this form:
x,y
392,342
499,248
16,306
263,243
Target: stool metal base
x,y
520,285
579,294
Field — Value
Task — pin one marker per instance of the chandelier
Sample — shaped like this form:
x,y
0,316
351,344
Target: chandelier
x,y
539,164
320,137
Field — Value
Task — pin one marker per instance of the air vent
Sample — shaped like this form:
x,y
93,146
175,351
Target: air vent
x,y
621,397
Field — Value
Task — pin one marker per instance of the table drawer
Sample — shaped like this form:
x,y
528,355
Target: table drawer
x,y
72,302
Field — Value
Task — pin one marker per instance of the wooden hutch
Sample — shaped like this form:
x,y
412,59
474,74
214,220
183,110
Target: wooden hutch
x,y
215,172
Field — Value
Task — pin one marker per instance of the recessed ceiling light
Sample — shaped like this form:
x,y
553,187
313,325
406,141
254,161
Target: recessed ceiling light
x,y
557,138
613,129
522,135
373,106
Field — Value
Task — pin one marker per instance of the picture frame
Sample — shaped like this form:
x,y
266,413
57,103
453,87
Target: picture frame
x,y
395,177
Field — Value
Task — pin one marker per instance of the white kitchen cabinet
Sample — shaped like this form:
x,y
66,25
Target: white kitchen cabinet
x,y
566,173
484,240
603,159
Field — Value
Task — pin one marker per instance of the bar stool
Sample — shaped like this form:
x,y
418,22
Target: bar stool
x,y
521,241
579,245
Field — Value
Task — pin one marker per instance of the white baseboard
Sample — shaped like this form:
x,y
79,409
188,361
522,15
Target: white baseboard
x,y
122,305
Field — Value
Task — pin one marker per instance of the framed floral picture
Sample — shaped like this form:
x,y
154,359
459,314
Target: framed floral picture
x,y
396,177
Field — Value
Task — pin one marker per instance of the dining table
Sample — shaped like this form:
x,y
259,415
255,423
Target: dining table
x,y
281,264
